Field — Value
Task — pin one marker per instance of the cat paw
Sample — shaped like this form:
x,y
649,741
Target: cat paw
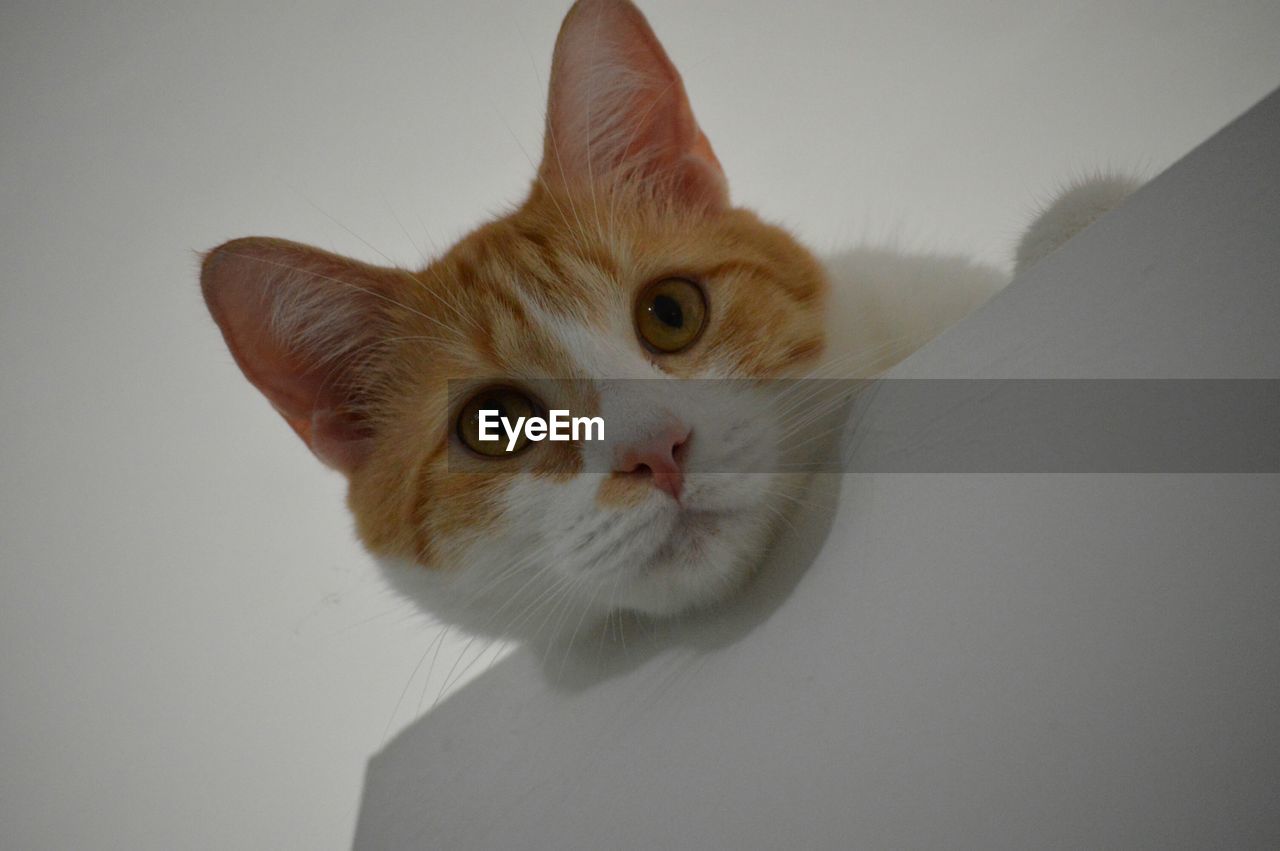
x,y
1073,210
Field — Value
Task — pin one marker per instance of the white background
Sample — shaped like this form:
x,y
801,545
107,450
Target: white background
x,y
194,652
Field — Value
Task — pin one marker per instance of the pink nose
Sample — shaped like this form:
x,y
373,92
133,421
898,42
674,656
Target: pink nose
x,y
660,457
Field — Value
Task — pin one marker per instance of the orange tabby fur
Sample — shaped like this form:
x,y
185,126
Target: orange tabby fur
x,y
462,317
359,360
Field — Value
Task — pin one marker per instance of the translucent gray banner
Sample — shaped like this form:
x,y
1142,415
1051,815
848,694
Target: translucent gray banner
x,y
896,425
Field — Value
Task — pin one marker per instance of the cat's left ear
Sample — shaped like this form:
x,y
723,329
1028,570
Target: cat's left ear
x,y
304,325
617,110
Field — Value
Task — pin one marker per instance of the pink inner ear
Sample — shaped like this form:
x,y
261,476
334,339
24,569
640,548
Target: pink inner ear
x,y
617,105
289,314
309,402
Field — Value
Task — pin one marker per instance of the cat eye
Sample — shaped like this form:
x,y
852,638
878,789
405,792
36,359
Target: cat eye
x,y
670,314
510,404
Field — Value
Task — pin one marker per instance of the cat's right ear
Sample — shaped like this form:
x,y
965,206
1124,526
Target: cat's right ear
x,y
302,323
617,110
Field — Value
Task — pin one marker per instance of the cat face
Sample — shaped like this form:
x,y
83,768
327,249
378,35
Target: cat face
x,y
624,271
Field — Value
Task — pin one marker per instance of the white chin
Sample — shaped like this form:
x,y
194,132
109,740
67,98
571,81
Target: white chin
x,y
707,558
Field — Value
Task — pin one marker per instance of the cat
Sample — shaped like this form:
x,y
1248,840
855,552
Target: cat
x,y
626,261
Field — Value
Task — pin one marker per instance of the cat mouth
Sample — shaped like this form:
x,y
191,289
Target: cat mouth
x,y
685,543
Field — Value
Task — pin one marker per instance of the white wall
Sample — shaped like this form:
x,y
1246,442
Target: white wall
x,y
984,660
193,650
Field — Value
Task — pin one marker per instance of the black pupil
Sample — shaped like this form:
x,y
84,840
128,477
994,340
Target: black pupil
x,y
668,311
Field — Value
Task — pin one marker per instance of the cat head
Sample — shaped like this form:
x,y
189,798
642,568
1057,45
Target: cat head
x,y
626,268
